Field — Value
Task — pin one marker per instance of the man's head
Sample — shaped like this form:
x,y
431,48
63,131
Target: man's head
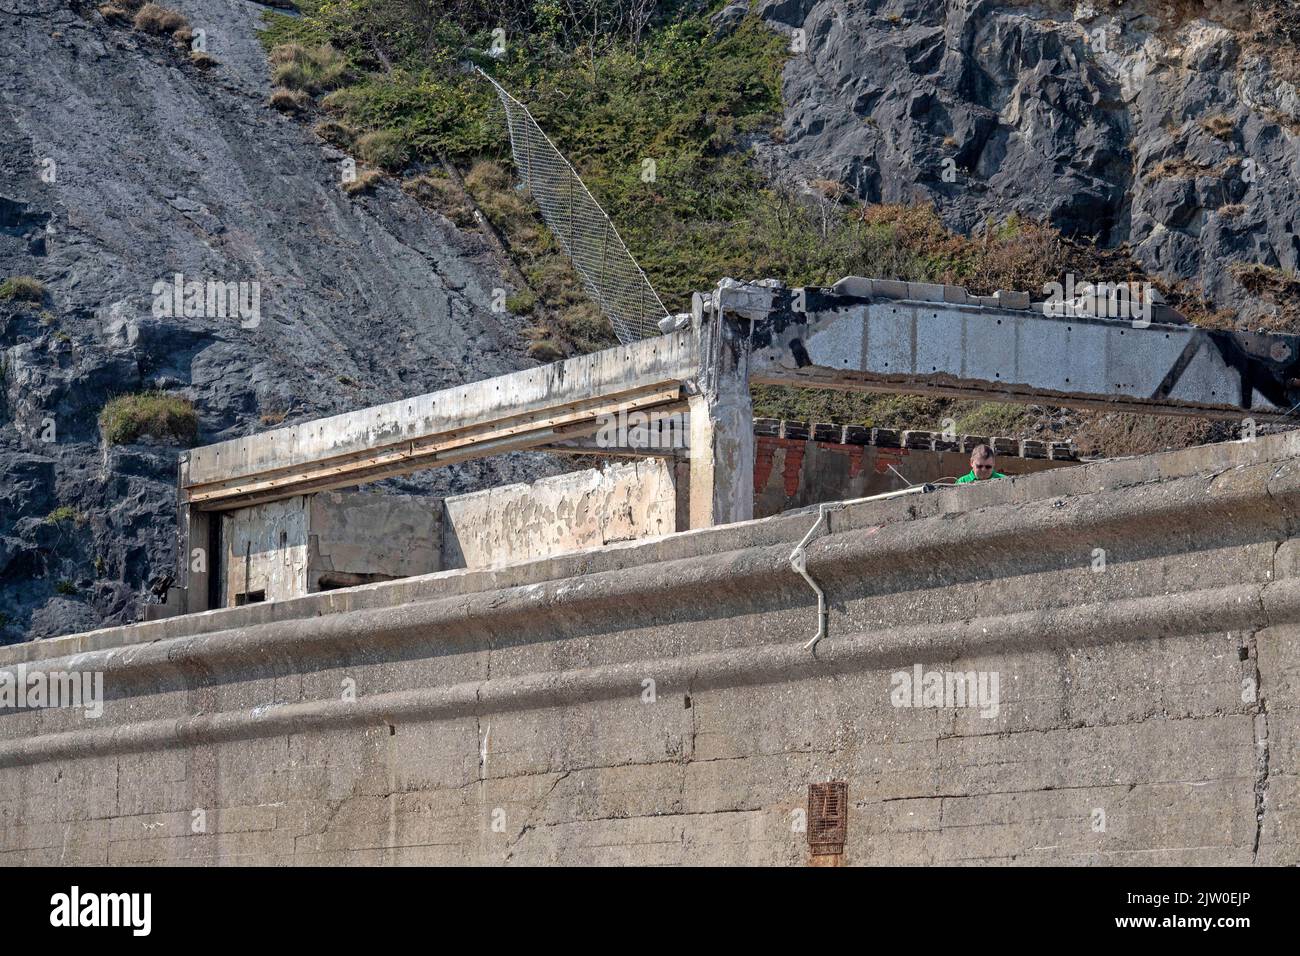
x,y
981,462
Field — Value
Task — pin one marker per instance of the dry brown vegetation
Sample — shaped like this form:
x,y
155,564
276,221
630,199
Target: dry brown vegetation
x,y
120,11
1220,126
435,190
289,101
364,182
1115,434
911,242
312,69
336,134
1272,285
152,18
1177,169
830,189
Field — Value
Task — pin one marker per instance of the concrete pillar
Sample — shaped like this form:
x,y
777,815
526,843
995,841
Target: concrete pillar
x,y
722,427
682,490
194,563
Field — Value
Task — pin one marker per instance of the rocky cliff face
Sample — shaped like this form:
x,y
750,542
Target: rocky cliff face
x,y
124,164
1167,126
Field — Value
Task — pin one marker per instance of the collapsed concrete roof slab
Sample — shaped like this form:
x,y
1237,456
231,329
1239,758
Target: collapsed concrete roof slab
x,y
909,337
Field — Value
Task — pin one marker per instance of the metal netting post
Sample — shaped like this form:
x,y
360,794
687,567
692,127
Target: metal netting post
x,y
528,162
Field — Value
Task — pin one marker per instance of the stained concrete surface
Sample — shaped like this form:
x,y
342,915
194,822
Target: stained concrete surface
x,y
652,702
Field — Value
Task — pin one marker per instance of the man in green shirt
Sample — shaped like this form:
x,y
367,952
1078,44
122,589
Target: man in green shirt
x,y
981,466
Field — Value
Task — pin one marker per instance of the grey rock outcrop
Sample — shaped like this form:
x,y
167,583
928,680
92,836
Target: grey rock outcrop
x,y
1111,121
124,165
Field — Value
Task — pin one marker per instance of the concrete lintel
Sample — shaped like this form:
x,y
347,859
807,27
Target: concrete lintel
x,y
521,409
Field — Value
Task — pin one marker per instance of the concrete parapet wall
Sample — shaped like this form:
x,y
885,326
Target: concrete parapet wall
x,y
651,702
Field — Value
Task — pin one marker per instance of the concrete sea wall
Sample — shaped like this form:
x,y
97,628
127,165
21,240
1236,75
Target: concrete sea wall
x,y
652,701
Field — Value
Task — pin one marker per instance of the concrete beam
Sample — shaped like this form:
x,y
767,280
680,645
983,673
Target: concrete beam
x,y
521,410
662,432
869,335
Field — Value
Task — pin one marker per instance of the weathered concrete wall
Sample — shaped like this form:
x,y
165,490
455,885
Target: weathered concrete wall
x,y
308,543
285,549
1147,709
265,551
582,509
371,536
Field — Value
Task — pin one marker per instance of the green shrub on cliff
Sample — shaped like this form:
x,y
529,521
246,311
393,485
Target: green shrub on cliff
x,y
156,414
24,288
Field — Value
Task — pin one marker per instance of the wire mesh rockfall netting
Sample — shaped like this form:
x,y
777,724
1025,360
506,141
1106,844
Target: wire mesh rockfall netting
x,y
609,273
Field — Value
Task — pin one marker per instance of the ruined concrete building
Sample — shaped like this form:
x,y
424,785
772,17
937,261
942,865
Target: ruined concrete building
x,y
1086,662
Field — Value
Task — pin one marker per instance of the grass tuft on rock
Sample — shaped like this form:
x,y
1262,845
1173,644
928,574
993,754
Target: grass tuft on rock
x,y
64,513
168,418
364,182
384,148
289,101
310,69
120,11
23,289
158,20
